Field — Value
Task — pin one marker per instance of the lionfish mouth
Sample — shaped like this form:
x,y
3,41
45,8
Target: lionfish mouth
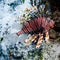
x,y
39,30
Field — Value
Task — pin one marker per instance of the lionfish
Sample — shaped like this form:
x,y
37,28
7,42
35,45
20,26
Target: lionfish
x,y
39,30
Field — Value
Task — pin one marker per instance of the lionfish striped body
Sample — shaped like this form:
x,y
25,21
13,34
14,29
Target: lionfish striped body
x,y
38,28
36,25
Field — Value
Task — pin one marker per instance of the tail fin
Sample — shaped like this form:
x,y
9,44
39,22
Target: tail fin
x,y
19,33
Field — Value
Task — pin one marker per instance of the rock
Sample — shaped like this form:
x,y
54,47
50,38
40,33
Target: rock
x,y
52,34
58,34
1,39
59,56
56,18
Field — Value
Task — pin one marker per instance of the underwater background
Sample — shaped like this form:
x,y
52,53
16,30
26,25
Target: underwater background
x,y
12,47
